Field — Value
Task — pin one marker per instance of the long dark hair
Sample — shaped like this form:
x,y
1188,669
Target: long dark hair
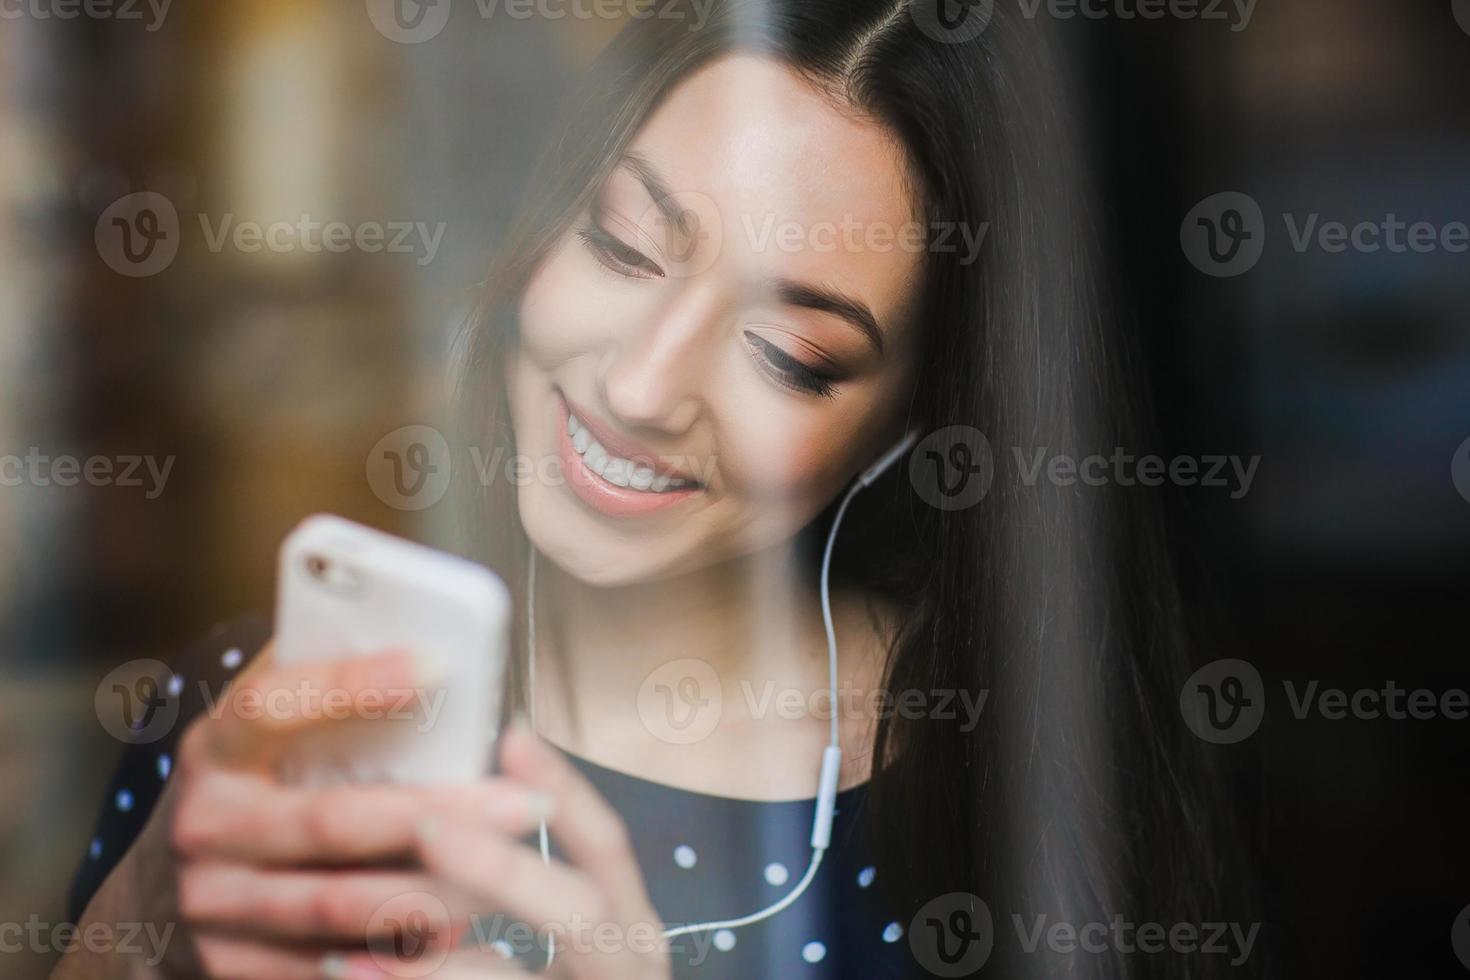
x,y
1079,796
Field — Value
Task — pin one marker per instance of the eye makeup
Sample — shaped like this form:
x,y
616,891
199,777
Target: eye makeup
x,y
787,370
617,255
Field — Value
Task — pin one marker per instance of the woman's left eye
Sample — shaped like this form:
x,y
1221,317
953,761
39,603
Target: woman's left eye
x,y
617,255
787,370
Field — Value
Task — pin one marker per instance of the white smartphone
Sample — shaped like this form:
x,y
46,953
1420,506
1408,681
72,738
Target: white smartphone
x,y
345,590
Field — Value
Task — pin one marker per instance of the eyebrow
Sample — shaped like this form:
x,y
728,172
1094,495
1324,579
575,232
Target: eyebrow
x,y
832,301
658,189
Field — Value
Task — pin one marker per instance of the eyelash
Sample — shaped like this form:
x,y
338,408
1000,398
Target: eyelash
x,y
787,370
618,256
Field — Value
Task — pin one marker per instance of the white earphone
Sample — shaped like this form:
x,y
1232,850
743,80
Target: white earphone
x,y
827,781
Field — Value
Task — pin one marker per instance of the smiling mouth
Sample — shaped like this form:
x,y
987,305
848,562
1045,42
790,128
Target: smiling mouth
x,y
614,485
616,470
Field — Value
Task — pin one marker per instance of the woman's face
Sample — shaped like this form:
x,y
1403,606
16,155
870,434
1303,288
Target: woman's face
x,y
723,340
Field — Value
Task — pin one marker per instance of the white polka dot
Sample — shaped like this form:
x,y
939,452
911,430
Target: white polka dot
x,y
893,933
175,685
814,952
724,940
502,949
95,848
866,876
685,857
165,766
124,800
232,658
776,874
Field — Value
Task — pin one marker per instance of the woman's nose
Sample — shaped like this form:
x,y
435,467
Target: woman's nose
x,y
658,376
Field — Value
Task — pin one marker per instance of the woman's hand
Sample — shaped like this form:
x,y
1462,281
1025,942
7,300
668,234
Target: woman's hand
x,y
262,879
594,905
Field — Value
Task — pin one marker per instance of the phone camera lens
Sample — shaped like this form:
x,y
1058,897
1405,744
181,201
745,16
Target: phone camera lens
x,y
337,576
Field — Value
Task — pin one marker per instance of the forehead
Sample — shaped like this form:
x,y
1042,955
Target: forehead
x,y
804,187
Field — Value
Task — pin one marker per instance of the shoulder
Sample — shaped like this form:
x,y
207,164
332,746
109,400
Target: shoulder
x,y
216,658
153,706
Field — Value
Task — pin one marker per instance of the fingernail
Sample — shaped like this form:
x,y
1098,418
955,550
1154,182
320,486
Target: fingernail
x,y
518,808
542,807
338,967
427,829
428,671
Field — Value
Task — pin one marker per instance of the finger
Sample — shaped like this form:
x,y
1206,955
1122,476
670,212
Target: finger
x,y
552,898
460,965
242,817
320,906
510,877
258,713
225,957
473,964
588,829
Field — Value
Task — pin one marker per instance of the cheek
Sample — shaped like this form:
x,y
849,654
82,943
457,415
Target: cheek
x,y
571,307
780,456
552,312
787,458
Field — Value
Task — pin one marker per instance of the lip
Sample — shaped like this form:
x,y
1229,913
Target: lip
x,y
607,498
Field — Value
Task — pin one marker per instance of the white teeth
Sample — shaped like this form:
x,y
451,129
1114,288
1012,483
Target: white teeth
x,y
596,458
617,472
615,469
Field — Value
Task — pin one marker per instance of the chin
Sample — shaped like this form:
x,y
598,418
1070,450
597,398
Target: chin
x,y
596,556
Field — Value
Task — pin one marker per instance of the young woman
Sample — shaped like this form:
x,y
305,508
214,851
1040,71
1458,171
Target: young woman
x,y
708,384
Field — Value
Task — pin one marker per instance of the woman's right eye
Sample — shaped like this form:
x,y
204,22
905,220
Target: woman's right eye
x,y
617,255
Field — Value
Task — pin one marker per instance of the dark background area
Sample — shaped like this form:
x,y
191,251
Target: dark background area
x,y
1349,374
269,378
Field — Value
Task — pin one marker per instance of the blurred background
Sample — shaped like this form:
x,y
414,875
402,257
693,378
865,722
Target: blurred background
x,y
250,384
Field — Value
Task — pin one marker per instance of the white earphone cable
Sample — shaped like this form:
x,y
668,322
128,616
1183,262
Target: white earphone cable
x,y
831,760
831,757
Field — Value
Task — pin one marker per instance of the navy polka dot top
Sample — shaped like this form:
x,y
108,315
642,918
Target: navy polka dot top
x,y
704,858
